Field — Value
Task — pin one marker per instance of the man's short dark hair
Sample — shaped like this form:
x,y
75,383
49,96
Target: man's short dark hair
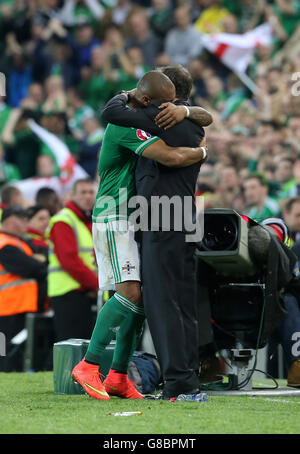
x,y
86,180
13,211
181,78
288,159
7,193
33,210
288,206
257,176
43,194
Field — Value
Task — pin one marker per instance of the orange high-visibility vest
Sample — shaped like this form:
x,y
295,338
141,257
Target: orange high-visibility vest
x,y
17,294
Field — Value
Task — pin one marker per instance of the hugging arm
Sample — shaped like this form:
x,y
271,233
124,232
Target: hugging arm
x,y
172,114
118,113
175,156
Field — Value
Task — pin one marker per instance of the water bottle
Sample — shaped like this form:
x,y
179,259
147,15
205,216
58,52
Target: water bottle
x,y
201,397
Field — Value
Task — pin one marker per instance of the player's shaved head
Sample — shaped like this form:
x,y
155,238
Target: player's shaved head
x,y
154,86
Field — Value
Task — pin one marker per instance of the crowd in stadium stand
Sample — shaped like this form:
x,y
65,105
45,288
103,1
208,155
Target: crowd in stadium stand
x,y
63,60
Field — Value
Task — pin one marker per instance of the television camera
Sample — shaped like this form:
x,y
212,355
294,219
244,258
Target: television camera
x,y
234,264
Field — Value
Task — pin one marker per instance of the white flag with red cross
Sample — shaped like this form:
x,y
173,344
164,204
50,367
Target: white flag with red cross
x,y
70,170
235,51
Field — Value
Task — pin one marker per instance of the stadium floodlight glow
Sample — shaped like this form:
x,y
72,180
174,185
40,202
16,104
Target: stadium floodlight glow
x,y
225,245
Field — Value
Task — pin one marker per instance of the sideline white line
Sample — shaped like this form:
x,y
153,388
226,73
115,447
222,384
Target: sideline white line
x,y
276,400
264,385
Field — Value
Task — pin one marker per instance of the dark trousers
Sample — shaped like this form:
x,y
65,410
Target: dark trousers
x,y
169,294
73,316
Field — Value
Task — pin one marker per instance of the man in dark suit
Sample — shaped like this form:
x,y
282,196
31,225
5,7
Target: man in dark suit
x,y
168,273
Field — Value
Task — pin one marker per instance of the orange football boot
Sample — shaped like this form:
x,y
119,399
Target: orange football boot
x,y
88,376
119,385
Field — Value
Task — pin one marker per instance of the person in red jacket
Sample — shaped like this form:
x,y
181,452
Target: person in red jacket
x,y
73,312
38,222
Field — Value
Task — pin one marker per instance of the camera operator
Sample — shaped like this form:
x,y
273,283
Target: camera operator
x,y
291,216
286,332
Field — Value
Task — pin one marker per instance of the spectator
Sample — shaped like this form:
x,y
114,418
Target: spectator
x,y
20,77
65,56
216,93
291,216
72,278
284,175
293,133
8,172
196,67
45,166
120,15
142,36
229,187
48,198
79,111
161,19
38,223
121,12
4,113
183,42
20,146
11,196
287,15
212,17
259,205
55,53
56,100
123,65
23,269
85,41
90,146
73,12
57,123
35,98
247,12
96,83
137,70
284,332
48,10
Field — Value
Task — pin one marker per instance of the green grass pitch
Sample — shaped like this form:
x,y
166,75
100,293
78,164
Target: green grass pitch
x,y
29,406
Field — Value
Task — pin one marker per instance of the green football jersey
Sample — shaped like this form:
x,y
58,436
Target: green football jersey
x,y
271,209
120,150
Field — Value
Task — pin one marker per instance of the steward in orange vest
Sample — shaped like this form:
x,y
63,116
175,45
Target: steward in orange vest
x,y
20,271
17,293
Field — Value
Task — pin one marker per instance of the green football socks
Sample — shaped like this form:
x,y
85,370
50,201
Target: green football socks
x,y
120,317
127,338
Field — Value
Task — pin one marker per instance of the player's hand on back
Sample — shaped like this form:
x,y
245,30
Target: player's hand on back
x,y
170,115
129,94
